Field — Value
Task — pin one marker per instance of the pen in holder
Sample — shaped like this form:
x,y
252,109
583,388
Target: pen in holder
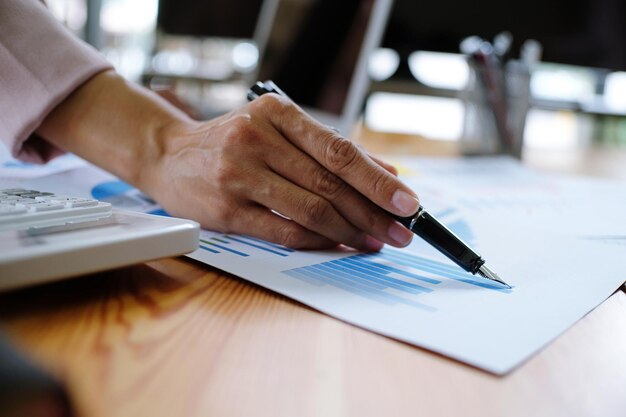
x,y
497,99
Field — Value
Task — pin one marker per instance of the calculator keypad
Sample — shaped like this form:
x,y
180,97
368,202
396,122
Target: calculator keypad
x,y
21,208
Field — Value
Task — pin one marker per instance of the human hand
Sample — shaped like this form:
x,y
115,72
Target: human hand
x,y
234,173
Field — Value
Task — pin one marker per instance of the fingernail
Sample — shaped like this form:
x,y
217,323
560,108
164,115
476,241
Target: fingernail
x,y
400,234
372,244
405,203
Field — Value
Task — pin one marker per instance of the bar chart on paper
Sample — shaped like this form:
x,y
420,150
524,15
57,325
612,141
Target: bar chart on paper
x,y
389,277
240,245
392,277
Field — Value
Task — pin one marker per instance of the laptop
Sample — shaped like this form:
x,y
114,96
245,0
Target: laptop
x,y
317,52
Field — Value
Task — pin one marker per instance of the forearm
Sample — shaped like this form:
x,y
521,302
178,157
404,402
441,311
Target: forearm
x,y
114,124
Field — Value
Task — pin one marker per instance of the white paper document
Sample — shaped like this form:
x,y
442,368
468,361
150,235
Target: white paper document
x,y
501,188
417,296
531,228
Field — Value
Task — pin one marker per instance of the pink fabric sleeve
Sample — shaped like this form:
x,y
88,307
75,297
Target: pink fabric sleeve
x,y
41,63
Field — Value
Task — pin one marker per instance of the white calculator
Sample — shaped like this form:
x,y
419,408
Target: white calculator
x,y
45,236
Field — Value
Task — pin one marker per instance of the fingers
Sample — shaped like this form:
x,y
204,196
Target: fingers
x,y
339,155
311,211
390,168
260,222
350,204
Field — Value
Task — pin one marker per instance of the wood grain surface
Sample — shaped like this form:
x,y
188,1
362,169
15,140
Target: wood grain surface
x,y
177,338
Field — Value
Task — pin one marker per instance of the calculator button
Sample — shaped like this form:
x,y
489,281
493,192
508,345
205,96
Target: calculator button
x,y
38,206
61,198
35,194
81,203
5,198
11,210
35,208
72,202
10,191
24,202
19,192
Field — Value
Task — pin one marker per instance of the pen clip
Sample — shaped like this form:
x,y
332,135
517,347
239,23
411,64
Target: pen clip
x,y
260,88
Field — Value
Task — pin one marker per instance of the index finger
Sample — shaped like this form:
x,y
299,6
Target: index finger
x,y
339,155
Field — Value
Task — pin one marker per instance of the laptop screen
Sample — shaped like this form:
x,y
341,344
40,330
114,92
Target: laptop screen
x,y
313,50
209,18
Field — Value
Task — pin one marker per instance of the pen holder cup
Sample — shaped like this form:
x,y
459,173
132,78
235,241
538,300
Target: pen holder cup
x,y
496,103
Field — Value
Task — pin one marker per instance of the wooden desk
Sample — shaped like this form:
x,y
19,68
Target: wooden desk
x,y
177,338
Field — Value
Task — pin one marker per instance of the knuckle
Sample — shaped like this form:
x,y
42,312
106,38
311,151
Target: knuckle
x,y
265,189
234,212
273,103
242,121
380,185
223,173
242,130
224,213
290,236
340,154
328,184
315,211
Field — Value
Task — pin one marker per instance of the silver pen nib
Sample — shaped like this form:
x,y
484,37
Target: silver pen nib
x,y
485,272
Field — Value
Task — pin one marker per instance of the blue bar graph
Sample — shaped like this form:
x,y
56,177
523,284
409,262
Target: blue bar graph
x,y
448,271
242,245
383,277
372,291
206,248
273,245
263,246
213,246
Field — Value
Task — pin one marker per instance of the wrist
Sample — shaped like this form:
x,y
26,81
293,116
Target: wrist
x,y
164,140
115,124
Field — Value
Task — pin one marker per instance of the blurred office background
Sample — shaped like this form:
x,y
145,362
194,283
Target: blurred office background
x,y
208,51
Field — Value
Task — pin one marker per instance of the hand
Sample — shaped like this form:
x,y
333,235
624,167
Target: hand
x,y
235,173
271,171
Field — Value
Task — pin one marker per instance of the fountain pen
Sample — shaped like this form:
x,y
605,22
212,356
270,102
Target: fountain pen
x,y
421,223
445,241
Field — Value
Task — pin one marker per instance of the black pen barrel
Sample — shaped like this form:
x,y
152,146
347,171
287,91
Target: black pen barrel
x,y
443,239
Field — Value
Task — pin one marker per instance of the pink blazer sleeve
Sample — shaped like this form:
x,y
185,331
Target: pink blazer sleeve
x,y
41,63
